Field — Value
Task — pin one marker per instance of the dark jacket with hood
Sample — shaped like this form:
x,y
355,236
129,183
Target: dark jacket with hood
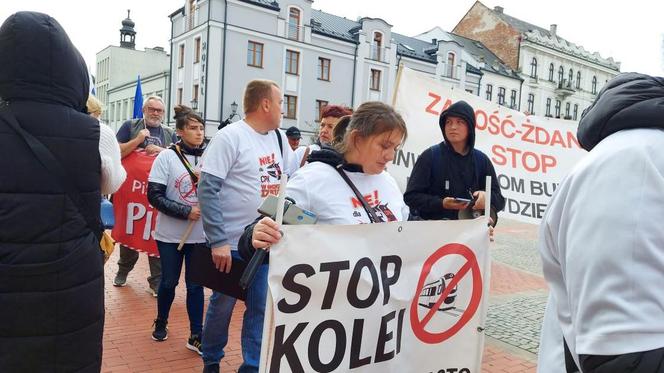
x,y
51,270
454,174
628,101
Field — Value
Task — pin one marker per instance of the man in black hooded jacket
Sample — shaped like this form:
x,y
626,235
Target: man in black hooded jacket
x,y
452,169
51,269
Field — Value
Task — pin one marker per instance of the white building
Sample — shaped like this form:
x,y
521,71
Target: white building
x,y
117,73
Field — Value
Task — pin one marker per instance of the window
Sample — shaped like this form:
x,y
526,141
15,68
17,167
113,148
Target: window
x,y
570,77
323,68
489,92
375,80
294,24
551,72
377,47
513,99
320,104
291,106
179,98
450,64
578,80
197,50
548,107
181,56
533,68
594,86
292,62
561,73
255,54
558,104
576,111
194,93
531,104
501,96
567,107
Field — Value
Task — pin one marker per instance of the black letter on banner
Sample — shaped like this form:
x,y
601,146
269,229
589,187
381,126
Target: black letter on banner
x,y
334,268
286,348
339,346
355,280
464,370
356,346
400,328
289,284
383,337
388,281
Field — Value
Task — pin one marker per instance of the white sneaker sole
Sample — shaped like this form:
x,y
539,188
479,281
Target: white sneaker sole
x,y
192,348
159,340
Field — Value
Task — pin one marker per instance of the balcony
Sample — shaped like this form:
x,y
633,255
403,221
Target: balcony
x,y
565,88
378,53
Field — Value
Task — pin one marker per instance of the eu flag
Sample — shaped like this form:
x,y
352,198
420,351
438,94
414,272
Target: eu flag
x,y
138,100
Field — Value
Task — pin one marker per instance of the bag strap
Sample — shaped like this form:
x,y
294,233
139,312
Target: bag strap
x,y
370,212
281,144
186,164
52,165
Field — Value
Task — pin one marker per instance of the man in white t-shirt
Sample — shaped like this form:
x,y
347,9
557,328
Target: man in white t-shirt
x,y
241,166
602,242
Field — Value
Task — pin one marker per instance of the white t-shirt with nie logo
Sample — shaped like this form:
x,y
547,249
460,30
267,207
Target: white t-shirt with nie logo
x,y
168,170
251,164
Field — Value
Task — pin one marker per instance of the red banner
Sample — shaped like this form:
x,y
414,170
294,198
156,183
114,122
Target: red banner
x,y
134,217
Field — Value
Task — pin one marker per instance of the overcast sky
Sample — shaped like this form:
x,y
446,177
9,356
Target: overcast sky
x,y
629,31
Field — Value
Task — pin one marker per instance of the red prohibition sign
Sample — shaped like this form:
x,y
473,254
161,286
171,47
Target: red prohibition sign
x,y
470,266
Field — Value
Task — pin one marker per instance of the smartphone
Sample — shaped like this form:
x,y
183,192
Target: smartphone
x,y
462,200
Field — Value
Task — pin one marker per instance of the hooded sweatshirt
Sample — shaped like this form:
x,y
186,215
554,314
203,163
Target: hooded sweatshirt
x,y
51,269
453,175
601,240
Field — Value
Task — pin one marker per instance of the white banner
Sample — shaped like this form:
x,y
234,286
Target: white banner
x,y
390,297
531,154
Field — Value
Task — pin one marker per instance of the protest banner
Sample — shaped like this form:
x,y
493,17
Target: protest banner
x,y
134,217
531,154
391,297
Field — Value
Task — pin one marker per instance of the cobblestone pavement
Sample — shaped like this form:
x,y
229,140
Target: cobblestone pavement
x,y
517,298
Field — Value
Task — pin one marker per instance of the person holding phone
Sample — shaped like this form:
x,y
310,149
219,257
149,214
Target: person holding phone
x,y
451,176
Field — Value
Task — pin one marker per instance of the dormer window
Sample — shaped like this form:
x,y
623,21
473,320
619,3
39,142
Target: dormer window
x,y
451,57
377,47
533,68
294,17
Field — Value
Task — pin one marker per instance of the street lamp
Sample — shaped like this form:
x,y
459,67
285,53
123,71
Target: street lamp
x,y
230,117
194,104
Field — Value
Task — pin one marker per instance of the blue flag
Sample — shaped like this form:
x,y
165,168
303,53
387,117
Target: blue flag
x,y
138,100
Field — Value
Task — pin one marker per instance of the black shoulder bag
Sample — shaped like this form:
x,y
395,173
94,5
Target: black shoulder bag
x,y
52,165
370,212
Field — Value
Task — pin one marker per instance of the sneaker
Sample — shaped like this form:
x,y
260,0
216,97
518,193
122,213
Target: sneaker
x,y
152,291
160,332
120,279
194,343
212,368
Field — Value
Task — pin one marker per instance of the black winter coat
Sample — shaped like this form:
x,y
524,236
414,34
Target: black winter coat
x,y
51,269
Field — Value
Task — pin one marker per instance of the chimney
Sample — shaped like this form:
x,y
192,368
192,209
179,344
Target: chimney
x,y
553,29
498,9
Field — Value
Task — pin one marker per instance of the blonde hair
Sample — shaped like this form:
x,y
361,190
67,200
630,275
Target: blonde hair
x,y
256,91
94,106
370,119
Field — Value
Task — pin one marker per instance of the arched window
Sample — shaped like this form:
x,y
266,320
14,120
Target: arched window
x,y
533,68
377,47
294,24
567,106
576,110
548,107
578,81
570,77
594,86
450,64
561,73
551,72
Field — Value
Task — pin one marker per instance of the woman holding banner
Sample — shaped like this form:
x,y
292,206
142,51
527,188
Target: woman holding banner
x,y
346,184
172,191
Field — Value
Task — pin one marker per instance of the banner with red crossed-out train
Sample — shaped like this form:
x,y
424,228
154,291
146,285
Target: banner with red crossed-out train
x,y
135,218
531,154
389,297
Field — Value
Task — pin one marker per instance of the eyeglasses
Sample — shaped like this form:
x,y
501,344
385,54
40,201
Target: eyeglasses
x,y
155,110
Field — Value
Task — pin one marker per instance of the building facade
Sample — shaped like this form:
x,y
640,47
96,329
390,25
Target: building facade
x,y
316,57
561,78
117,74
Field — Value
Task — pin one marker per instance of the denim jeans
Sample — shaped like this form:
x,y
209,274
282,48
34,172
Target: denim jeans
x,y
171,266
218,317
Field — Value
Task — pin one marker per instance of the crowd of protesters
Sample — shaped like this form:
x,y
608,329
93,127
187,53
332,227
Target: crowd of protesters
x,y
208,194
